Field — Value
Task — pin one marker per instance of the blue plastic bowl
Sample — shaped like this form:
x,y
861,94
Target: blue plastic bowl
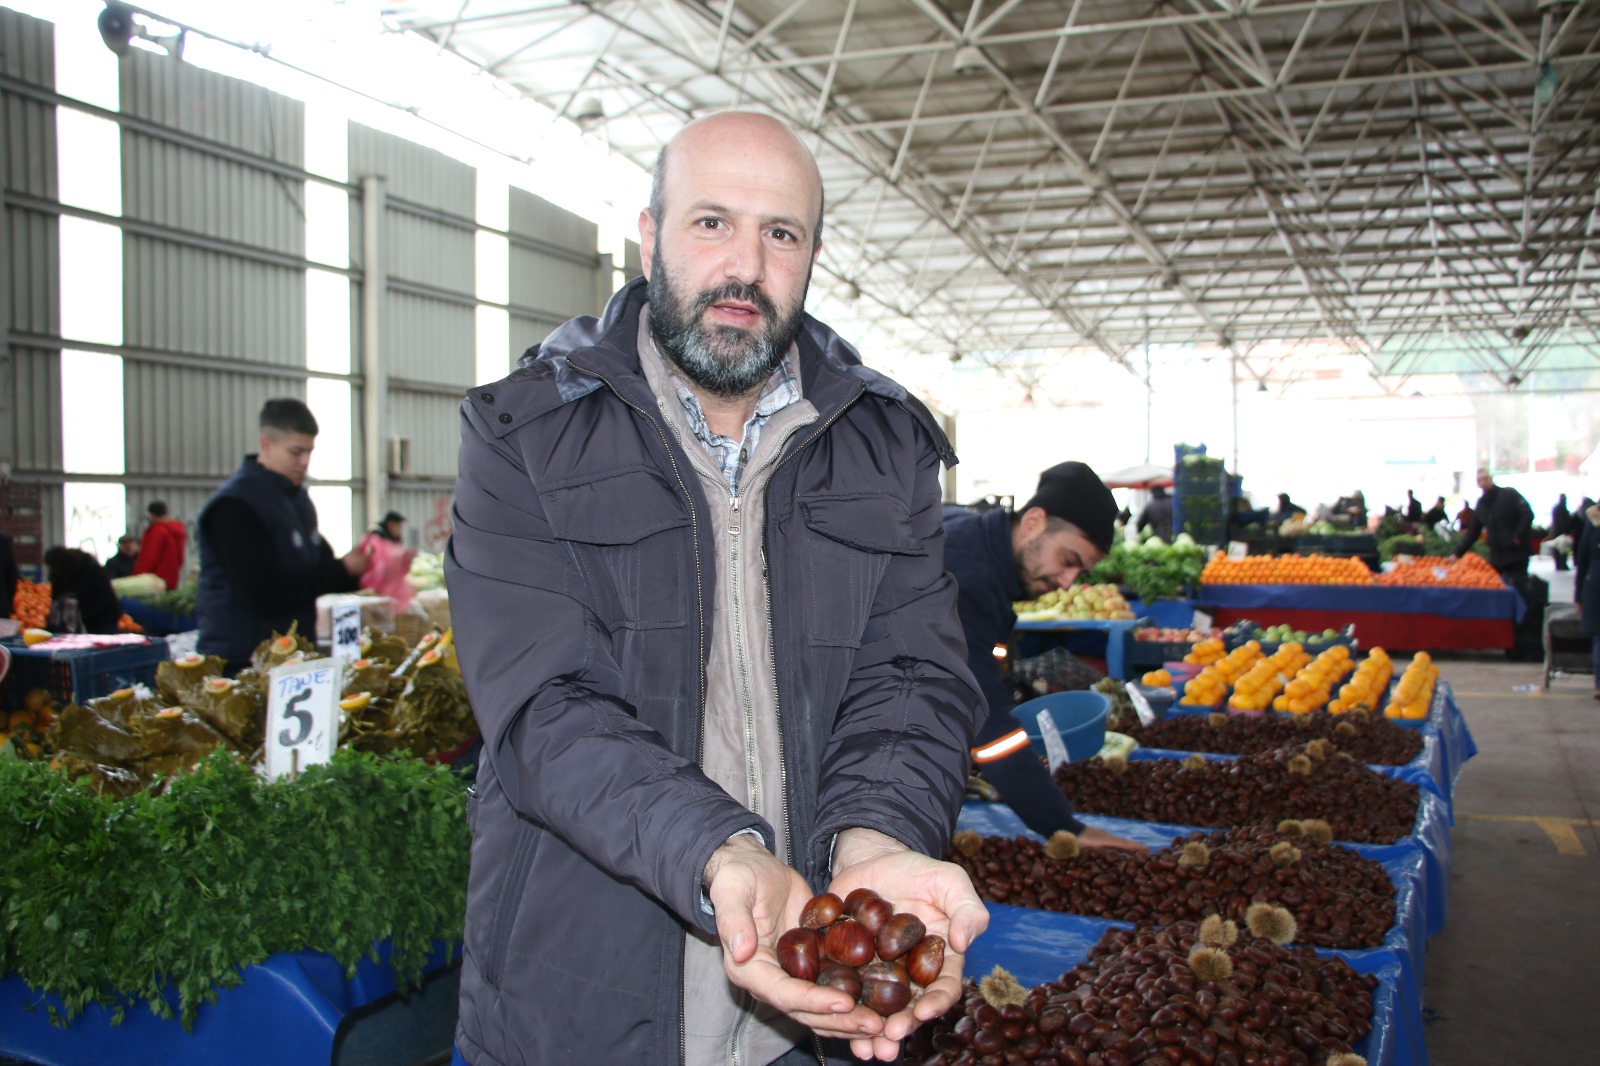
x,y
1080,718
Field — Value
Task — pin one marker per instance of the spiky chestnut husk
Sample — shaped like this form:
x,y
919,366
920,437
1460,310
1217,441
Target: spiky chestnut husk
x,y
1000,989
1194,761
1216,932
967,841
1210,964
1346,1058
1216,720
1194,853
1317,831
1318,749
1299,764
1271,923
1302,721
1344,730
1115,763
1062,846
1289,827
1284,853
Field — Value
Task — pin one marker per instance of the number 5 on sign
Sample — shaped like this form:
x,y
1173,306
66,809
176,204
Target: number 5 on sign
x,y
303,715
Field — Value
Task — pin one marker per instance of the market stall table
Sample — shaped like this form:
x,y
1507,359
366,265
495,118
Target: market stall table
x,y
1388,616
286,1013
1031,637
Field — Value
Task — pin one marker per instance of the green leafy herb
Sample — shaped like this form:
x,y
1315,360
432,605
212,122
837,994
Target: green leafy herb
x,y
161,899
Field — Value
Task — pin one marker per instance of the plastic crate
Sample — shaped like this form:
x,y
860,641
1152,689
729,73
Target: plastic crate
x,y
82,674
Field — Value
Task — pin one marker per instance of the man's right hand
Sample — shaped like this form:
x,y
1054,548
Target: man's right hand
x,y
757,899
357,562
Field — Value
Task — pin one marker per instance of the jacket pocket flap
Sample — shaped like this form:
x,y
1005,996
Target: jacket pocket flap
x,y
873,523
619,508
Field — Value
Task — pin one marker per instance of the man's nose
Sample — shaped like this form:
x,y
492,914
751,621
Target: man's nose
x,y
746,258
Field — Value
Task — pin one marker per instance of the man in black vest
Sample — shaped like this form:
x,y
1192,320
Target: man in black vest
x,y
262,562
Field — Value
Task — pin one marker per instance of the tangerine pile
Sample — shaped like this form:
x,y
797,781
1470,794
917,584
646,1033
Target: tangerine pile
x,y
30,605
1207,688
1285,570
1364,689
1258,687
1156,679
1471,571
1205,652
1311,686
1414,693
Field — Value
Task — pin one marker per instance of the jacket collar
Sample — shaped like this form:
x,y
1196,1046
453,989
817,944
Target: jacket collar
x,y
584,353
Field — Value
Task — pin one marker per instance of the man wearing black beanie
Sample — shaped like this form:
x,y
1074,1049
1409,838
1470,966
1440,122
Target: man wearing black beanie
x,y
998,557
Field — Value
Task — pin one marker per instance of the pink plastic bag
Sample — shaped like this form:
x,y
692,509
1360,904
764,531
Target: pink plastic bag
x,y
387,574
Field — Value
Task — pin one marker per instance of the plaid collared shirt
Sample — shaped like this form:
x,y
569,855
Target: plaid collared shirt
x,y
781,390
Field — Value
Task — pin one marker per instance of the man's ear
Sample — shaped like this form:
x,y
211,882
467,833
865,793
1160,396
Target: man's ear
x,y
647,240
1032,523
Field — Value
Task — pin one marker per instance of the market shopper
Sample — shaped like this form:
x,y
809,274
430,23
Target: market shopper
x,y
1506,521
1561,524
1157,514
1435,514
1412,511
81,597
1586,580
161,549
700,602
263,562
997,558
121,562
391,529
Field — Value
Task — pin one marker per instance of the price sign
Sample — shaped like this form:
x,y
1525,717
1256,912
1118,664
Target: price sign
x,y
1055,749
344,620
1237,549
302,715
1141,706
1200,620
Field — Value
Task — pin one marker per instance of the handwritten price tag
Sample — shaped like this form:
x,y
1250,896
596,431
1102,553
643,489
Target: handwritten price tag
x,y
1237,549
1055,749
1141,706
302,715
345,622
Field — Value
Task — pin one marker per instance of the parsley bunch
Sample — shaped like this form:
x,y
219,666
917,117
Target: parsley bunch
x,y
162,899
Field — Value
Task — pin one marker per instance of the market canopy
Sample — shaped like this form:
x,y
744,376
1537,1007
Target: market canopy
x,y
1143,476
1420,181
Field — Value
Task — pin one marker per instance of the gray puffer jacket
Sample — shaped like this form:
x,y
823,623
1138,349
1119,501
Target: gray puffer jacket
x,y
579,586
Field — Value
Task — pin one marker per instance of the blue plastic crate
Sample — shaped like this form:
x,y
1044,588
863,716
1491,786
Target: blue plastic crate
x,y
82,674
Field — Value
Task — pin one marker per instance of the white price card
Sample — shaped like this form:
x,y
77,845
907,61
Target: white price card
x,y
302,715
1141,706
1237,549
344,621
1200,620
1055,749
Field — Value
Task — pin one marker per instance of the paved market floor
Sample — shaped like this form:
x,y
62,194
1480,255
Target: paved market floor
x,y
1512,978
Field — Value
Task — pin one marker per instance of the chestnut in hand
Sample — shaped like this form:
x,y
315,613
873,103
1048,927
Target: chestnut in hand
x,y
800,953
822,911
885,988
842,978
899,935
874,914
848,942
926,961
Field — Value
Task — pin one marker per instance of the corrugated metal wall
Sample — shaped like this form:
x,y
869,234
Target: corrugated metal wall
x,y
214,303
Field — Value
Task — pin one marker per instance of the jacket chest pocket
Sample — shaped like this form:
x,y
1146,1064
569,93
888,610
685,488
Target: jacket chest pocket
x,y
849,542
629,537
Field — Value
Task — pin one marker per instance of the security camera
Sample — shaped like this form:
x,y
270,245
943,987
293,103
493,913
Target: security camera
x,y
116,27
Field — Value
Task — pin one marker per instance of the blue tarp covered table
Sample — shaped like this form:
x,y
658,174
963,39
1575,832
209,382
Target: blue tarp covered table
x,y
1037,947
286,1013
1393,616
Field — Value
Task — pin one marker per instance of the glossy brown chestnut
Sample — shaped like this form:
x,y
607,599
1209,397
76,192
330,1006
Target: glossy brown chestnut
x,y
800,953
838,976
899,935
874,914
822,911
854,899
848,942
925,961
884,989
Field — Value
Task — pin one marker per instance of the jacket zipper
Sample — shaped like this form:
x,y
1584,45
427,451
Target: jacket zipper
x,y
699,598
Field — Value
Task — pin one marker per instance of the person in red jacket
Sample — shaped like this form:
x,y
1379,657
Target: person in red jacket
x,y
161,550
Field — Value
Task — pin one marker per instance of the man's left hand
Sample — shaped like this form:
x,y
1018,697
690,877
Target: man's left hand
x,y
940,893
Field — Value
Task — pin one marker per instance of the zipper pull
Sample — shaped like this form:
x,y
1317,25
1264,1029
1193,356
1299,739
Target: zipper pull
x,y
733,518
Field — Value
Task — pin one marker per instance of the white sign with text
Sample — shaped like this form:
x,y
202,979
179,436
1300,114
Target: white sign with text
x,y
1055,749
302,715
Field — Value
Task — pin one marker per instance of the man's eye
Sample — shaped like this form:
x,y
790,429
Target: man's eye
x,y
709,223
782,235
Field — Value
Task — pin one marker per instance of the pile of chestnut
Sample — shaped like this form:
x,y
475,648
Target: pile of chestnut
x,y
1184,994
1339,898
1316,781
861,946
1367,738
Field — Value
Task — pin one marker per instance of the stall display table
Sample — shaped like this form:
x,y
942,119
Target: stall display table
x,y
1388,616
286,1013
1039,946
1029,637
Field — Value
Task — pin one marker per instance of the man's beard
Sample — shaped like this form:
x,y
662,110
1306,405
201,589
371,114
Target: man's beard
x,y
725,361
